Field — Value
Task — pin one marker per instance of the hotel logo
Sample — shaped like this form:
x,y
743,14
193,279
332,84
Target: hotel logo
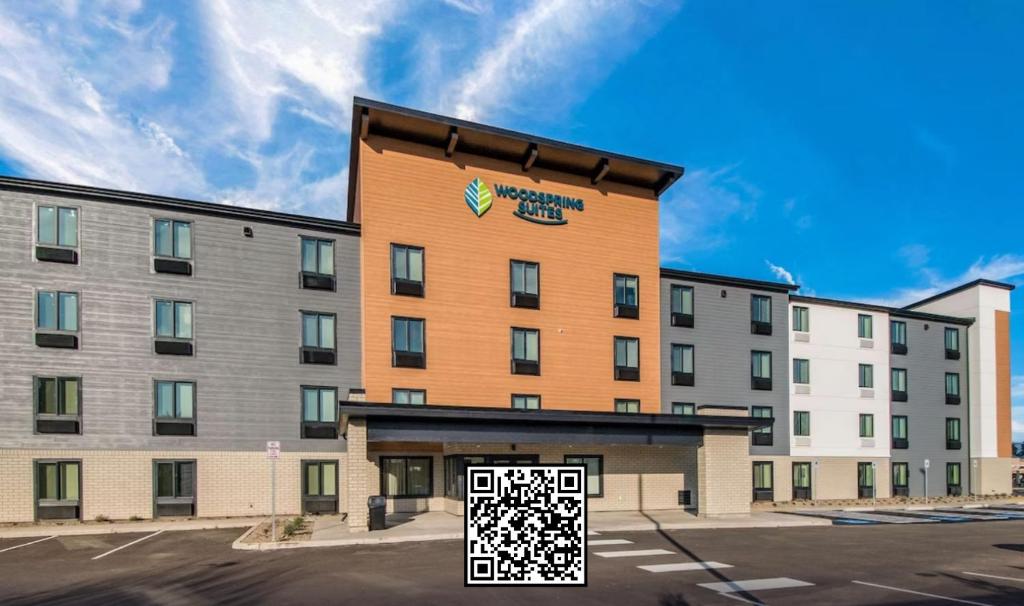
x,y
533,206
478,197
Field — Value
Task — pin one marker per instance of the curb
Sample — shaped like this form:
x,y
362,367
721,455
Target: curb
x,y
114,528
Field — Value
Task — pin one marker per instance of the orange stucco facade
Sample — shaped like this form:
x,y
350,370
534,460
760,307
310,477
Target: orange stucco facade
x,y
414,195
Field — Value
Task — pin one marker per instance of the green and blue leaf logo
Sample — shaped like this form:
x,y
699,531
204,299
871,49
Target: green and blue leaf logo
x,y
478,197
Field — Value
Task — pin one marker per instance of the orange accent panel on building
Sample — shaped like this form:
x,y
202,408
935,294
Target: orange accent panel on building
x,y
1004,413
412,194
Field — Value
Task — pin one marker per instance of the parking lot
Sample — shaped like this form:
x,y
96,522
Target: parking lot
x,y
925,563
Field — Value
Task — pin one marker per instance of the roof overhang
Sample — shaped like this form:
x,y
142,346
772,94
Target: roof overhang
x,y
528,151
693,276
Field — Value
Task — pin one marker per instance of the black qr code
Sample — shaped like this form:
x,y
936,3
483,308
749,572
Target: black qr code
x,y
526,525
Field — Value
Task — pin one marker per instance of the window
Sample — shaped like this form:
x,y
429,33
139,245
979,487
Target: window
x,y
627,296
57,234
762,436
866,376
317,263
761,370
898,337
409,396
627,359
175,488
952,388
952,344
455,469
56,319
318,338
867,425
900,480
801,423
682,305
801,371
801,481
58,490
319,412
899,432
525,351
173,327
627,406
172,239
760,315
953,479
595,471
407,343
406,477
406,270
682,364
865,480
899,384
57,405
865,326
525,402
174,408
801,319
764,481
684,408
525,286
319,487
952,434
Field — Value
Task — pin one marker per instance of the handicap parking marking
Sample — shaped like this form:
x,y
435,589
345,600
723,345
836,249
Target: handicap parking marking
x,y
933,516
27,544
636,553
139,540
755,585
922,593
602,542
684,566
995,576
863,517
982,516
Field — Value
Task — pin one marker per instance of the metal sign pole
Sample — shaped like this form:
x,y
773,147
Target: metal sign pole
x,y
273,499
927,463
874,484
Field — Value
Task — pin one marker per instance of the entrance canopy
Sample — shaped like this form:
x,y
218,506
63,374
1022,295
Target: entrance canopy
x,y
387,422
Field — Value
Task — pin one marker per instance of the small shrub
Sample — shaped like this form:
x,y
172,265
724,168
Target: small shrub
x,y
135,519
102,518
292,526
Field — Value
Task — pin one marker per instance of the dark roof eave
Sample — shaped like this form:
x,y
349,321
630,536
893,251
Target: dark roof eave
x,y
962,287
892,311
693,276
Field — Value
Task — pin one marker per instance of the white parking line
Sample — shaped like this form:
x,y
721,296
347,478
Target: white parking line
x,y
684,566
150,536
29,543
927,595
633,554
755,585
601,542
591,533
993,576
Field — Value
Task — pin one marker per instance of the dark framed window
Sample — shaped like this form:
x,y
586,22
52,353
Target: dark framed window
x,y
764,481
762,436
899,384
865,480
867,425
319,412
626,406
525,401
682,305
525,351
172,327
953,487
409,396
627,359
801,319
952,433
683,364
684,408
900,480
58,404
760,314
58,489
319,486
57,234
407,276
952,340
801,371
801,423
952,388
174,408
408,345
865,326
866,376
802,481
172,247
900,438
627,296
524,286
898,337
318,338
317,263
407,477
595,472
761,370
174,488
455,469
57,319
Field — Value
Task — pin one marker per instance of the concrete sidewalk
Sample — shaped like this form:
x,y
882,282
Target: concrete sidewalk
x,y
45,529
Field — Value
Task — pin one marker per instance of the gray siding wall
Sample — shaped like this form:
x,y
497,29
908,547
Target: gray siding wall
x,y
247,303
722,344
926,409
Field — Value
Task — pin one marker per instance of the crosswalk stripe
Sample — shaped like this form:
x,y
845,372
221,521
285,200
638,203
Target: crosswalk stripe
x,y
601,542
633,554
755,585
683,566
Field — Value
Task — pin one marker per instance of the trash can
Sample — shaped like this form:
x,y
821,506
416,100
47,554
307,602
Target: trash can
x,y
378,506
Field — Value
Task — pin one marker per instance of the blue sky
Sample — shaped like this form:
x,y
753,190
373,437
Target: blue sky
x,y
865,150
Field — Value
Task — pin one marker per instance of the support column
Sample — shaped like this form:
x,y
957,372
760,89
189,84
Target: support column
x,y
357,469
723,474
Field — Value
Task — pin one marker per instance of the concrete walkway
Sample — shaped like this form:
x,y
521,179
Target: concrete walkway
x,y
85,528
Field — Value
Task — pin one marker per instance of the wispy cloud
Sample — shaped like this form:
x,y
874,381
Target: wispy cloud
x,y
780,272
801,221
998,267
914,255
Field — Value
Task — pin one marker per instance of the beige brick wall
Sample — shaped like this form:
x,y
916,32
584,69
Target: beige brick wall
x,y
835,478
993,476
355,474
724,475
118,484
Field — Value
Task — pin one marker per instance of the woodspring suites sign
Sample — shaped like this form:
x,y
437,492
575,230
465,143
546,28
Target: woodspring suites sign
x,y
539,207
